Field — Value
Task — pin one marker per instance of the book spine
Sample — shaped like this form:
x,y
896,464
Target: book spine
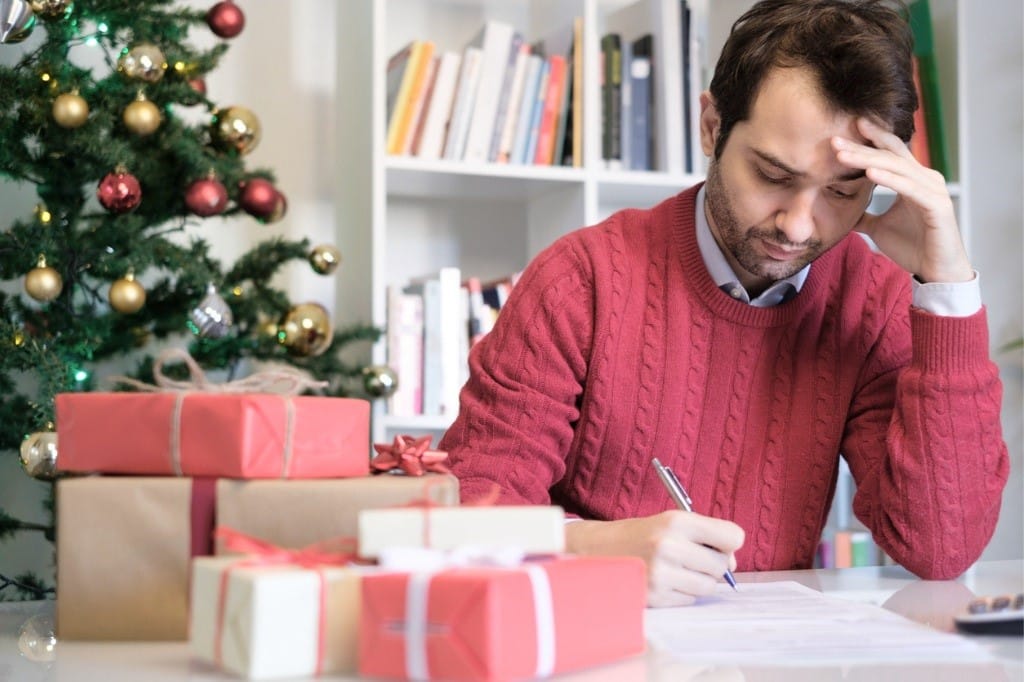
x,y
495,42
420,109
405,351
422,54
544,154
505,96
640,113
530,150
465,94
611,100
439,109
525,116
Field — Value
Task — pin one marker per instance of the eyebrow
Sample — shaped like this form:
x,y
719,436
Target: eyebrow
x,y
855,174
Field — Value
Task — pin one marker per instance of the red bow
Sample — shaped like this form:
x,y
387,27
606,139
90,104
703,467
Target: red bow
x,y
411,455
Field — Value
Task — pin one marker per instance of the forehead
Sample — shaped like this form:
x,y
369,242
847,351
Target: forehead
x,y
790,117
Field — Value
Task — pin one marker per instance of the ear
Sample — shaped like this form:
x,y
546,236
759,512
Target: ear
x,y
710,123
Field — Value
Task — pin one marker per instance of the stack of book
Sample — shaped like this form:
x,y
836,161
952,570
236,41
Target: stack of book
x,y
432,322
499,100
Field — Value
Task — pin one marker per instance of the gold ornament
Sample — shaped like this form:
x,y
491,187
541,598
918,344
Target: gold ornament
x,y
126,295
42,282
380,381
144,62
70,110
51,9
306,330
236,129
39,455
325,259
142,116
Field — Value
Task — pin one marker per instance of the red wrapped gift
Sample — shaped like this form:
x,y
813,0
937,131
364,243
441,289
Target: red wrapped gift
x,y
534,620
210,434
256,427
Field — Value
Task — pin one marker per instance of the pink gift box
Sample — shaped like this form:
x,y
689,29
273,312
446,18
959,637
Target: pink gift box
x,y
244,435
488,623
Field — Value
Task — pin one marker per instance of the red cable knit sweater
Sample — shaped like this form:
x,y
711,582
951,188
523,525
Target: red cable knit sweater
x,y
616,346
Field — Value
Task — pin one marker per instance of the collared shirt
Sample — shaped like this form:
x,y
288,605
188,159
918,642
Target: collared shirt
x,y
952,299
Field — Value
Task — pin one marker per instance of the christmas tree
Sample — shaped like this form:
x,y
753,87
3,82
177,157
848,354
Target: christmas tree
x,y
129,156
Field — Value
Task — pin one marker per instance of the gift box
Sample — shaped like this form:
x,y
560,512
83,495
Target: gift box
x,y
266,621
294,514
534,620
124,542
532,529
191,433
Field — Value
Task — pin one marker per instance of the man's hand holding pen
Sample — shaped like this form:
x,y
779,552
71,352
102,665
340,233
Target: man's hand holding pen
x,y
686,553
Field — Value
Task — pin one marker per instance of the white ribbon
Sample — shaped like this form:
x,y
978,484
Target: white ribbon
x,y
428,562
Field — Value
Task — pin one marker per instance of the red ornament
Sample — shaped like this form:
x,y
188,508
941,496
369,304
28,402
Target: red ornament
x,y
259,198
280,208
119,192
198,84
226,19
206,197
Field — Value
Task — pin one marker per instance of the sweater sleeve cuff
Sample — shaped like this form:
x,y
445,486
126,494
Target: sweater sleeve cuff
x,y
949,344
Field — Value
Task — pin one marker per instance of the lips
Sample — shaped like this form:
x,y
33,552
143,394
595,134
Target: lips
x,y
780,253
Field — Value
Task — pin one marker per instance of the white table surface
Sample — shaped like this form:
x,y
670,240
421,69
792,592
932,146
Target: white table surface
x,y
930,602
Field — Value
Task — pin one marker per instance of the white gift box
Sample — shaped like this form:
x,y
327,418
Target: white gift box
x,y
272,625
532,529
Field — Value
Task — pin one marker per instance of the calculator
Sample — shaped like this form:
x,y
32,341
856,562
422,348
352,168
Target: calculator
x,y
997,615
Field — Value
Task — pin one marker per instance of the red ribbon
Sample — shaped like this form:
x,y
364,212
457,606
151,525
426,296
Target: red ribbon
x,y
337,552
412,455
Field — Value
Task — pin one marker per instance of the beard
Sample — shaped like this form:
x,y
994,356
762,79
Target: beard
x,y
740,243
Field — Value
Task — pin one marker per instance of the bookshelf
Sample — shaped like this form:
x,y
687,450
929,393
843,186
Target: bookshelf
x,y
401,217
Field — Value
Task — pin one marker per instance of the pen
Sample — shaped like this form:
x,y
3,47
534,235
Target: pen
x,y
678,493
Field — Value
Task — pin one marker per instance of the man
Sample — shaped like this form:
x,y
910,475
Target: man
x,y
742,333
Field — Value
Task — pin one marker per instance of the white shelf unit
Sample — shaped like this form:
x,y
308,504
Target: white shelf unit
x,y
402,217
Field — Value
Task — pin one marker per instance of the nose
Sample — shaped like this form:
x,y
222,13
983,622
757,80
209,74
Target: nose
x,y
796,218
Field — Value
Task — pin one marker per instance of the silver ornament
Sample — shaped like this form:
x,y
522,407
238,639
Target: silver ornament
x,y
380,381
39,455
212,318
37,641
16,21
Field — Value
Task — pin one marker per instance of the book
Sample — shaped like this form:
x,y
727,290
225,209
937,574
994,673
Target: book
x,y
405,351
395,77
545,151
576,120
562,152
530,149
924,49
413,81
660,20
506,104
429,291
495,42
524,118
625,102
611,100
419,109
462,108
439,108
639,128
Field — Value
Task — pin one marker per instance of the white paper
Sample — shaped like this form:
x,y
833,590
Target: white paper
x,y
791,624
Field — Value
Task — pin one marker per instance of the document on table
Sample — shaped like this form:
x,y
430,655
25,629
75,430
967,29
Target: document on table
x,y
787,622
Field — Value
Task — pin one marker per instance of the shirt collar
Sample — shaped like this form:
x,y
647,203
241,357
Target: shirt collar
x,y
724,276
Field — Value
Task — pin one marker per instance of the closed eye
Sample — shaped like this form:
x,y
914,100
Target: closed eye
x,y
773,179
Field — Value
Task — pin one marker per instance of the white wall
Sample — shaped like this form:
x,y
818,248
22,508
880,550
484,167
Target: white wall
x,y
282,67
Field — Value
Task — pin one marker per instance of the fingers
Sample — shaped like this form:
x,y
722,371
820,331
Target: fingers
x,y
690,557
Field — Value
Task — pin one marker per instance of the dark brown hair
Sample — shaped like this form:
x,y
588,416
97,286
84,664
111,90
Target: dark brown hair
x,y
859,50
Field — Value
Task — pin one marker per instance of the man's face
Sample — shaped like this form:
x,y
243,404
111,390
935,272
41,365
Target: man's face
x,y
777,197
